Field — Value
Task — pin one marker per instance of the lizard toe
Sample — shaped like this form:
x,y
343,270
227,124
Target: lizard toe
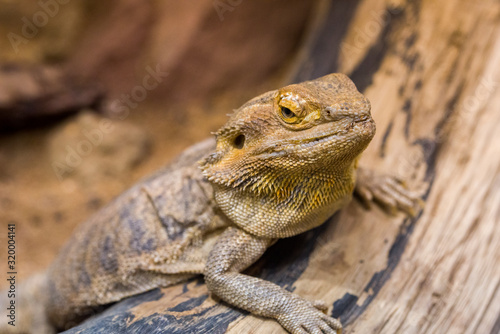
x,y
306,318
389,192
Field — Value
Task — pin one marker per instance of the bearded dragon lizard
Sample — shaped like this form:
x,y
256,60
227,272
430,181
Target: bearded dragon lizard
x,y
284,162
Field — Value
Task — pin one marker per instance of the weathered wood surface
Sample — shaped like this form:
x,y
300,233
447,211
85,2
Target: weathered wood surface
x,y
431,70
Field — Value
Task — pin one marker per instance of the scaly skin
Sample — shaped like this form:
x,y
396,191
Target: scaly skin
x,y
284,162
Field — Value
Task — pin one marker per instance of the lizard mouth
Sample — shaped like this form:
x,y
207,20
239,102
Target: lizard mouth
x,y
353,128
330,134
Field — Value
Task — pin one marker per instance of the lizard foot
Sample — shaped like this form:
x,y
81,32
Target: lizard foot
x,y
308,317
388,191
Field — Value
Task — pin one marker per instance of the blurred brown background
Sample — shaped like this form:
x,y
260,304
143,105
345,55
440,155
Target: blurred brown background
x,y
165,73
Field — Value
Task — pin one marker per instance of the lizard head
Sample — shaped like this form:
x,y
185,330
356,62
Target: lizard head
x,y
291,152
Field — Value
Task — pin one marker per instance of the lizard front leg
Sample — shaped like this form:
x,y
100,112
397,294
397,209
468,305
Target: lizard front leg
x,y
389,191
234,251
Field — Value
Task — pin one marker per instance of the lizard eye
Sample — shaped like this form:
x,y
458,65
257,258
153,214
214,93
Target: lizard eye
x,y
288,115
290,109
239,141
286,112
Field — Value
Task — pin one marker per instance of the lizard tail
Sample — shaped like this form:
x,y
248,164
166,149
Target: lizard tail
x,y
24,304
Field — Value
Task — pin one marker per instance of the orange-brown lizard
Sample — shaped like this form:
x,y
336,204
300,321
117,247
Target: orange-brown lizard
x,y
284,162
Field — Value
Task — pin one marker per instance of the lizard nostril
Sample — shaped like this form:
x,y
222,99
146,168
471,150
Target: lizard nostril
x,y
332,113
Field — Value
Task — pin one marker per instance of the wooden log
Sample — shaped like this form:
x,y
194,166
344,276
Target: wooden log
x,y
430,69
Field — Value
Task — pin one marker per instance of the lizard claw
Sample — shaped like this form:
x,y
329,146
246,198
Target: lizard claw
x,y
306,317
388,191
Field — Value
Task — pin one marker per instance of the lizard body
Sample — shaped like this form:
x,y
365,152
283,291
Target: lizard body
x,y
284,162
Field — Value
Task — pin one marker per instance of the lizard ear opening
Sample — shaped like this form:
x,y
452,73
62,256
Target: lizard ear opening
x,y
239,141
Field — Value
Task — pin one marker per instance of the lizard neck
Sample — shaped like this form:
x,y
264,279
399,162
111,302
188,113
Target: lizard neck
x,y
275,206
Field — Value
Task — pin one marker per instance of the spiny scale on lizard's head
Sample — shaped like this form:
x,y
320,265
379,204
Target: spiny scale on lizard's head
x,y
286,146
